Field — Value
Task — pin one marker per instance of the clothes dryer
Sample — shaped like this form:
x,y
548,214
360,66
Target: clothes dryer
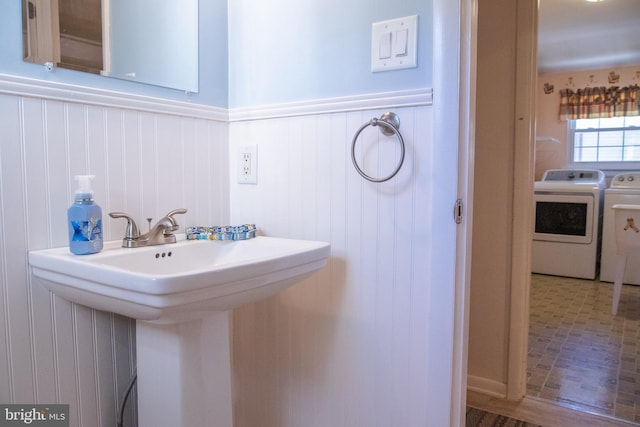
x,y
623,190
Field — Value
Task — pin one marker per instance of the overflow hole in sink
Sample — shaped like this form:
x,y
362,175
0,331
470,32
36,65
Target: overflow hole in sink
x,y
163,254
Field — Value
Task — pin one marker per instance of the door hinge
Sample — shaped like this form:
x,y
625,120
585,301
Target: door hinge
x,y
32,10
457,211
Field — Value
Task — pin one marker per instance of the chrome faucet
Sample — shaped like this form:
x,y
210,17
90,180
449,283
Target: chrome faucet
x,y
159,234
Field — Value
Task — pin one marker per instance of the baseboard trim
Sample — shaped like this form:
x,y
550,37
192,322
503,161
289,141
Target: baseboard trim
x,y
542,412
486,386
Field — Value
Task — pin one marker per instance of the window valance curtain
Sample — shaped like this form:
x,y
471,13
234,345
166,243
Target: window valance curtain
x,y
599,102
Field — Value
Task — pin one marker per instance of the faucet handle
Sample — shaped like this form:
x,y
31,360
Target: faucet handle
x,y
131,232
176,212
172,220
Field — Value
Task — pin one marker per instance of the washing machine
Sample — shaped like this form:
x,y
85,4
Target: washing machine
x,y
568,219
624,189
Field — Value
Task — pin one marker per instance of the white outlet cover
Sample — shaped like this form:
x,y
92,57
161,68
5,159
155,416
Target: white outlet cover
x,y
394,44
250,177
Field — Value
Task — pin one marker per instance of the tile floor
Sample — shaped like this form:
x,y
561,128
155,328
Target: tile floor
x,y
579,354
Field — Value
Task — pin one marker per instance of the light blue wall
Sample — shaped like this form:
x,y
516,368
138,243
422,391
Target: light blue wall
x,y
291,50
277,51
156,41
213,68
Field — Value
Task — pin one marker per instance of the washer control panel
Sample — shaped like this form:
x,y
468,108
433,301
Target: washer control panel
x,y
626,180
574,175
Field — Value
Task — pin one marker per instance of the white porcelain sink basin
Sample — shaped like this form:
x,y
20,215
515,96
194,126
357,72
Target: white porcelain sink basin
x,y
178,282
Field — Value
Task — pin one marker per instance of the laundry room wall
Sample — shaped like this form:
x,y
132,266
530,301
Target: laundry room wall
x,y
551,144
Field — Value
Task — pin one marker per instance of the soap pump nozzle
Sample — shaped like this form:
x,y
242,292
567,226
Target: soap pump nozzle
x,y
84,191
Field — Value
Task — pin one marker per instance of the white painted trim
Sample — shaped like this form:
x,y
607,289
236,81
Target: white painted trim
x,y
34,88
486,386
106,37
523,207
466,162
453,115
396,99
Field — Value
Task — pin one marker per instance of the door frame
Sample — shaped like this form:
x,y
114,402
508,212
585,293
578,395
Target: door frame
x,y
455,36
43,32
523,204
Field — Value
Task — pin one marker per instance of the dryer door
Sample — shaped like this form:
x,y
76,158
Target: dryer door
x,y
564,217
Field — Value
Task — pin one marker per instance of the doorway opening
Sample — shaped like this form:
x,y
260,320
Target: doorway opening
x,y
578,354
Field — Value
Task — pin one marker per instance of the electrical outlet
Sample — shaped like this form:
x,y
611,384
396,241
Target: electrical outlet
x,y
248,164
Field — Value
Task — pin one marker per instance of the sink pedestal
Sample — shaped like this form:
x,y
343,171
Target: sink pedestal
x,y
181,296
184,373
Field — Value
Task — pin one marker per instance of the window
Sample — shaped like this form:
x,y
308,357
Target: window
x,y
611,143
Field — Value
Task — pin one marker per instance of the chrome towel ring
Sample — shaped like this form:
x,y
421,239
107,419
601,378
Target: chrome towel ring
x,y
389,125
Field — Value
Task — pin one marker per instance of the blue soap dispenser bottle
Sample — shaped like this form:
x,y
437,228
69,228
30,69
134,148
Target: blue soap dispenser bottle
x,y
85,220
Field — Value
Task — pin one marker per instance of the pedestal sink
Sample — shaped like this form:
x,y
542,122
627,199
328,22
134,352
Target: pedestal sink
x,y
180,295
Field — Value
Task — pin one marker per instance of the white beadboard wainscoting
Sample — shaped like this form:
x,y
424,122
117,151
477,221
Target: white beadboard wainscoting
x,y
349,346
146,163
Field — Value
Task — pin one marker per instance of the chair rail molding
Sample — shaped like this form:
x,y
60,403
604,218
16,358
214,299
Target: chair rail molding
x,y
35,88
343,104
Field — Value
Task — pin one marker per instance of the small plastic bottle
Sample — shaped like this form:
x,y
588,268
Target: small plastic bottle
x,y
85,220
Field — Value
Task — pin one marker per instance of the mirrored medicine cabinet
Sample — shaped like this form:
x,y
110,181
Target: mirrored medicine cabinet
x,y
146,41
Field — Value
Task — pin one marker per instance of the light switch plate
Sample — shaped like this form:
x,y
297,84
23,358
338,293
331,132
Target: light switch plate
x,y
404,41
